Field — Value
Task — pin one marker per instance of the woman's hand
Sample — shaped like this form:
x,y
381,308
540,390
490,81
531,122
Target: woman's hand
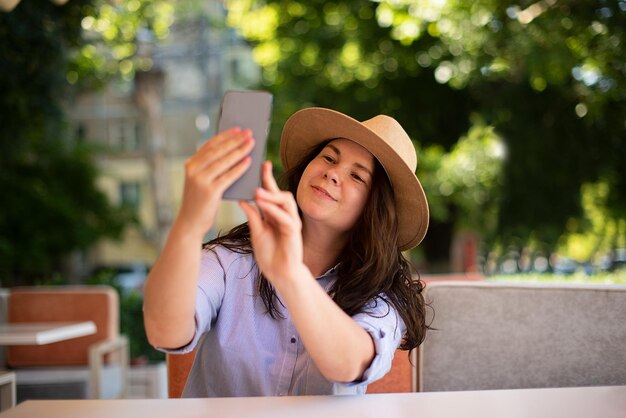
x,y
276,231
208,173
340,348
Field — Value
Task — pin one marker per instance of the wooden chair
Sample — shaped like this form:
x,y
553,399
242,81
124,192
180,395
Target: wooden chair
x,y
93,366
400,378
521,335
178,366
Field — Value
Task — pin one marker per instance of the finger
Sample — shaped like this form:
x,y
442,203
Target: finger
x,y
226,178
268,177
279,198
283,198
219,146
219,167
278,216
219,138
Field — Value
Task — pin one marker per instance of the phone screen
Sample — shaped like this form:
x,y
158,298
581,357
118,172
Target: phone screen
x,y
248,109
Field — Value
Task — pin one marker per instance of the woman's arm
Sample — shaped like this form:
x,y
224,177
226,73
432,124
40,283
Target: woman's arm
x,y
170,291
340,348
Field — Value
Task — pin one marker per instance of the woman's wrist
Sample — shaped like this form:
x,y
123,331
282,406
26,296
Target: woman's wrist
x,y
299,276
183,230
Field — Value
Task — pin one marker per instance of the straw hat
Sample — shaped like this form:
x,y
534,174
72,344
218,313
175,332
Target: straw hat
x,y
385,139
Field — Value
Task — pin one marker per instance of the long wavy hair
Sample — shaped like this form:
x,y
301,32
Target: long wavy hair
x,y
370,267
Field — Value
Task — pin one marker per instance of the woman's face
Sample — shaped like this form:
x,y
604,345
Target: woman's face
x,y
335,185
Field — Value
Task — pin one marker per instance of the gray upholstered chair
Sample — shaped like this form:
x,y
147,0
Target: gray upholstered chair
x,y
515,335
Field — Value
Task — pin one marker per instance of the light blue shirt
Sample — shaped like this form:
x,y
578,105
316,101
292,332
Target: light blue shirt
x,y
243,351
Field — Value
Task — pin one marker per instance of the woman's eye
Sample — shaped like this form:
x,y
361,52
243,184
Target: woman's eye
x,y
358,178
328,158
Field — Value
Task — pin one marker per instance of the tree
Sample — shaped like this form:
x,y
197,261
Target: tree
x,y
335,54
51,205
548,75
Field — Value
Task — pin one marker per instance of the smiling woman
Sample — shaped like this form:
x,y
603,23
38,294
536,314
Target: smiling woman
x,y
312,295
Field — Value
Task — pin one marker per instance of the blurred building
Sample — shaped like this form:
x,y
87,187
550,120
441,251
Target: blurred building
x,y
146,129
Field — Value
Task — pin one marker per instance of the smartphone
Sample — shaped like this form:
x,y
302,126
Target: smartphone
x,y
247,109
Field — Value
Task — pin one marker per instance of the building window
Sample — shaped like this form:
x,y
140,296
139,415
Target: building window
x,y
124,135
130,194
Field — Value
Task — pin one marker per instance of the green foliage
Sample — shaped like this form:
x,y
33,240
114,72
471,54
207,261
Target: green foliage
x,y
117,39
36,38
50,208
467,178
598,232
334,54
549,77
51,205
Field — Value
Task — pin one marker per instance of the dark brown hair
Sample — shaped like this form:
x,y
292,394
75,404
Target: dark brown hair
x,y
370,267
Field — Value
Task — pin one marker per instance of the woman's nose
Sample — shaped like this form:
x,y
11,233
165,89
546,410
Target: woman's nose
x,y
332,175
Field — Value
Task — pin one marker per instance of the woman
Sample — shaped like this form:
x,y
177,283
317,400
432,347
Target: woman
x,y
312,295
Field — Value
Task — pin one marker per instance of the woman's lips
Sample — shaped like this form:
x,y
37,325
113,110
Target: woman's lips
x,y
324,193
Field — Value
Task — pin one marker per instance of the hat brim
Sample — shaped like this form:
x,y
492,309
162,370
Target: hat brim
x,y
309,127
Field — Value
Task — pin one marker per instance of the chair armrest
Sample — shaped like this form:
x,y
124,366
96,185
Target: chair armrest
x,y
97,353
7,390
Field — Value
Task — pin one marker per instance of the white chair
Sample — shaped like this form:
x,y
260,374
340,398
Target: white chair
x,y
7,390
93,366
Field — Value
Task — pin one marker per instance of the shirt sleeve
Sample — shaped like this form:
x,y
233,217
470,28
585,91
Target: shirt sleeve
x,y
209,296
384,325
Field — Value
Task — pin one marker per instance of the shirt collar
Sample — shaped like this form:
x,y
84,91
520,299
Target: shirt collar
x,y
330,272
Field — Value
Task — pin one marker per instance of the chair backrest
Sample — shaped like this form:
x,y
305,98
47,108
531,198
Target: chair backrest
x,y
404,370
178,366
516,335
399,379
99,304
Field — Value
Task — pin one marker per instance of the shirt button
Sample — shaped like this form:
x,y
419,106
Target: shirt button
x,y
293,340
